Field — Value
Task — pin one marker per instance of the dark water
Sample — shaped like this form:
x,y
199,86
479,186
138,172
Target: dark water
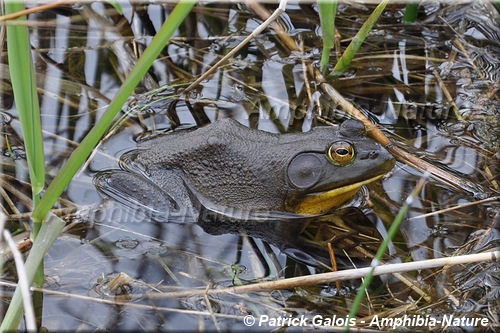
x,y
82,54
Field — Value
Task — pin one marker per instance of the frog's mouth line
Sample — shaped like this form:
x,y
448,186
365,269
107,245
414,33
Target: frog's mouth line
x,y
317,203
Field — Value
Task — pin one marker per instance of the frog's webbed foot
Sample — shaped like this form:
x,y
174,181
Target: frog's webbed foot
x,y
136,191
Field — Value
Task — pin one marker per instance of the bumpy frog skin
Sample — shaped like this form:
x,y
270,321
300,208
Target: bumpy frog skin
x,y
232,179
227,165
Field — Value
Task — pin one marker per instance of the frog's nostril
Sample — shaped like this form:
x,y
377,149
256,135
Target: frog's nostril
x,y
373,154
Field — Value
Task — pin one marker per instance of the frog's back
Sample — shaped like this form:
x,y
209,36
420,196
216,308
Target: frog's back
x,y
186,146
225,161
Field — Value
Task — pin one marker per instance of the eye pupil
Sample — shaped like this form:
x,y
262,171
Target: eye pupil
x,y
341,153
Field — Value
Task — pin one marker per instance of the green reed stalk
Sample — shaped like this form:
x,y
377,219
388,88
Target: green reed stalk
x,y
83,151
22,74
411,12
327,12
393,230
357,41
47,235
50,229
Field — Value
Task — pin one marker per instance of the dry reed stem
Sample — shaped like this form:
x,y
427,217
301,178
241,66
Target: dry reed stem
x,y
446,210
255,32
29,312
447,94
402,155
34,10
377,134
348,274
281,284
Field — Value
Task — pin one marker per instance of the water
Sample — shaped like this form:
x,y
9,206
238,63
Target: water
x,y
82,54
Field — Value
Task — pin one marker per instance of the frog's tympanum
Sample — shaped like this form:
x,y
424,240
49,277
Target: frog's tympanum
x,y
228,168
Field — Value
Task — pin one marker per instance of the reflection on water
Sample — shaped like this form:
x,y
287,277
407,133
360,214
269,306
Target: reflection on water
x,y
432,85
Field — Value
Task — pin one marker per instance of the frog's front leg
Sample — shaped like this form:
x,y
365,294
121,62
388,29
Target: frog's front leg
x,y
172,182
150,194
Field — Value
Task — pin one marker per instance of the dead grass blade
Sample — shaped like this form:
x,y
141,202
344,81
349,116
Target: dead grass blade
x,y
258,30
347,274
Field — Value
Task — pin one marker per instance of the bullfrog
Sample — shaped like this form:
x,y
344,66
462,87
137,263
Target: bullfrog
x,y
226,165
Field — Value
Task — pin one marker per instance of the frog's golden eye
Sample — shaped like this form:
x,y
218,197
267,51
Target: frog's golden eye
x,y
341,153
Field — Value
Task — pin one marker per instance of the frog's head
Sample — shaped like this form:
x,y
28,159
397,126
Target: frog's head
x,y
332,166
